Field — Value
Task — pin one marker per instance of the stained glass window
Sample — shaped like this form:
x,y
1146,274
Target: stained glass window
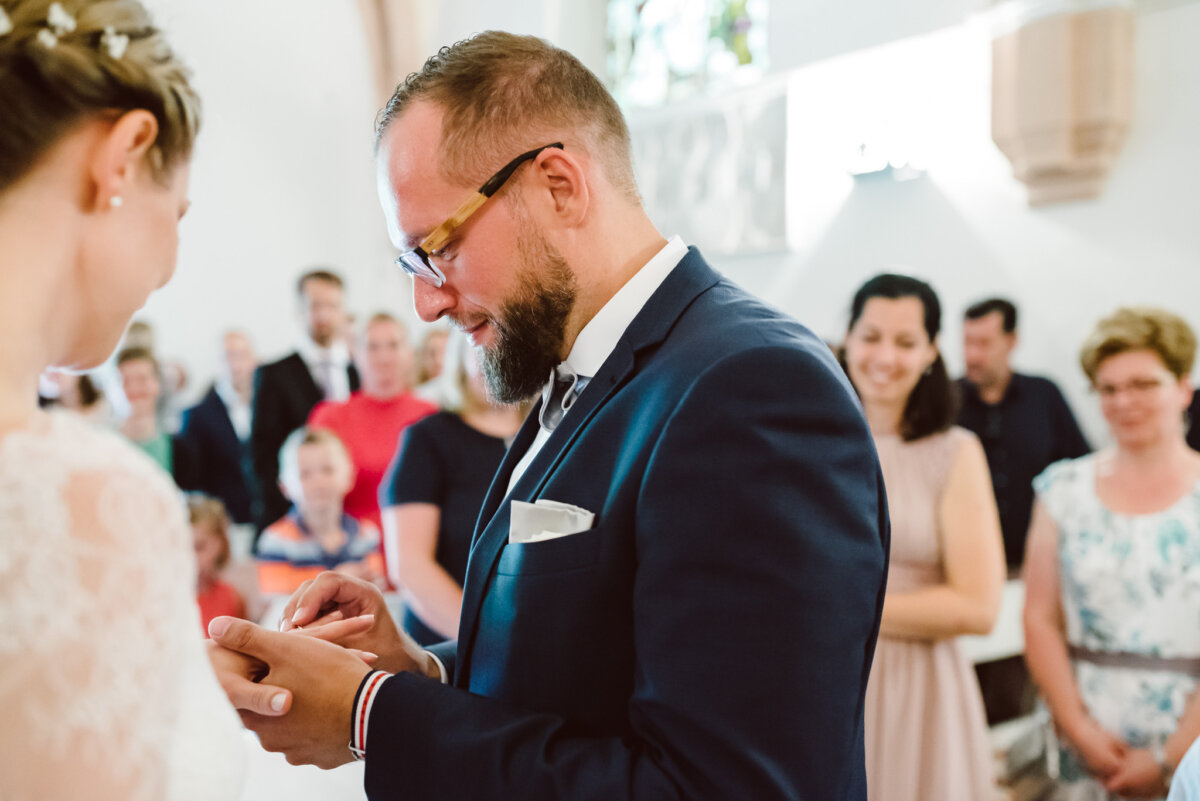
x,y
661,51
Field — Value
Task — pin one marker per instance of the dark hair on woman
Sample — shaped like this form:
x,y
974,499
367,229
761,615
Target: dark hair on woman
x,y
933,403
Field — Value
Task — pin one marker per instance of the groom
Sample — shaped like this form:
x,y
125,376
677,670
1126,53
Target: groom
x,y
676,578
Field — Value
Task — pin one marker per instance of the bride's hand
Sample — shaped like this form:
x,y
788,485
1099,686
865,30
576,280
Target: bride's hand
x,y
331,594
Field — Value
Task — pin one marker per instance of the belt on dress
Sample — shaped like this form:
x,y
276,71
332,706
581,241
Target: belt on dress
x,y
1127,659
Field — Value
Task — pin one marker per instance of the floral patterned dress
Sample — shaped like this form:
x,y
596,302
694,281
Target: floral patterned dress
x,y
1131,585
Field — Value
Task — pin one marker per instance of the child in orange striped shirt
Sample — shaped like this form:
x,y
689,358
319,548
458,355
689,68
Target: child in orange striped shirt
x,y
317,535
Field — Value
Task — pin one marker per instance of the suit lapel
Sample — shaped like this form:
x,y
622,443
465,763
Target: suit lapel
x,y
691,277
499,486
222,420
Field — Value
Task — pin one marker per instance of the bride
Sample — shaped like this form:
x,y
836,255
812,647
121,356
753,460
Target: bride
x,y
105,687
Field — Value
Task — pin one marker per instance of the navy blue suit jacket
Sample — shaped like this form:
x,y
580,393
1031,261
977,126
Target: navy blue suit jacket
x,y
711,636
222,462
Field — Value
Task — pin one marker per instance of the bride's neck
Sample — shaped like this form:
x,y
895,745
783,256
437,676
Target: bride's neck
x,y
35,313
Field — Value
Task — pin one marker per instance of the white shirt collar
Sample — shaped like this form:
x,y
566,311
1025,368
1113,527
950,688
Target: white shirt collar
x,y
239,411
600,336
313,354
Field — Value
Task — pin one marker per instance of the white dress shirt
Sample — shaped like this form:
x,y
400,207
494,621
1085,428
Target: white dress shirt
x,y
337,356
238,410
599,337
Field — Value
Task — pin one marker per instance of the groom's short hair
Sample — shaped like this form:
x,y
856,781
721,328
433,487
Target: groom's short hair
x,y
503,94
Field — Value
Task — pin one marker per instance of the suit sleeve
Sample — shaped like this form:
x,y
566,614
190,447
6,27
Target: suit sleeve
x,y
188,444
761,538
1070,442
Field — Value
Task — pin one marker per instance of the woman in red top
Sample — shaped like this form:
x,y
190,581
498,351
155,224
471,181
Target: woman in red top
x,y
371,421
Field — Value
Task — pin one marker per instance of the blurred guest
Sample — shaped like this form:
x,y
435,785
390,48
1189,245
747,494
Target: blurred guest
x,y
430,356
1025,425
140,384
76,392
286,391
172,375
1193,422
317,535
372,420
435,488
1185,785
1023,421
926,735
217,430
1112,573
210,537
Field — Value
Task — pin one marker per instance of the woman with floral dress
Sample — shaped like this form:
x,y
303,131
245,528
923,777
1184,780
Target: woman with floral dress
x,y
1112,572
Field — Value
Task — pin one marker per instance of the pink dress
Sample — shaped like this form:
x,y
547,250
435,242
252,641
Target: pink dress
x,y
926,732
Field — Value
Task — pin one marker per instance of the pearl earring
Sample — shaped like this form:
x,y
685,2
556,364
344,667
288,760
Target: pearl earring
x,y
115,201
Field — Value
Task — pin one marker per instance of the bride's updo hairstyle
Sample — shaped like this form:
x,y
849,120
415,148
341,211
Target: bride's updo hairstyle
x,y
64,62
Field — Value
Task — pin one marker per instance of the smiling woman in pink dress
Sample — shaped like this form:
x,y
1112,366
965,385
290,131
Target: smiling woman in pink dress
x,y
926,733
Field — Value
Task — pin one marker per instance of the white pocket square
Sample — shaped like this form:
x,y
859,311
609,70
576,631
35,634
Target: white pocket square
x,y
546,520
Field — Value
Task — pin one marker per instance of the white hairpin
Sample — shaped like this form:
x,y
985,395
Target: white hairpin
x,y
114,43
46,38
59,20
6,25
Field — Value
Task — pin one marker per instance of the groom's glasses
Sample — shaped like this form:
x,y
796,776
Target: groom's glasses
x,y
417,263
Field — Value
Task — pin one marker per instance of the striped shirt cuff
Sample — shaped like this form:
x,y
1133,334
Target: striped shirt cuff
x,y
442,674
363,700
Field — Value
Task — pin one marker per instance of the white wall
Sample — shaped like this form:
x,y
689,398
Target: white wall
x,y
283,177
966,226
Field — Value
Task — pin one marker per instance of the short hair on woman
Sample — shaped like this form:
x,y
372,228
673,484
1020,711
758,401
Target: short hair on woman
x,y
451,387
1140,328
127,355
389,318
45,91
204,509
933,403
503,94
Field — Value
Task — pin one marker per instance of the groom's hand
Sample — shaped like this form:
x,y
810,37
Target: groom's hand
x,y
338,595
322,679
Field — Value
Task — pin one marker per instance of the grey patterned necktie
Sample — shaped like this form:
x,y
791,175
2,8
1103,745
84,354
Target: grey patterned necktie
x,y
559,395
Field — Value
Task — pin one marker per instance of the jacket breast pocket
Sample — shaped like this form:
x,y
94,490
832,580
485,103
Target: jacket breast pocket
x,y
572,552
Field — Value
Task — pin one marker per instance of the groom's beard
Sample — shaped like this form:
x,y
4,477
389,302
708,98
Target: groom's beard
x,y
531,327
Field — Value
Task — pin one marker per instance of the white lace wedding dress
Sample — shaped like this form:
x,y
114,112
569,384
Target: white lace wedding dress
x,y
105,689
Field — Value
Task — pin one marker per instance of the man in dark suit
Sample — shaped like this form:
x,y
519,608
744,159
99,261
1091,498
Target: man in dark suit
x,y
287,390
217,430
676,580
1193,422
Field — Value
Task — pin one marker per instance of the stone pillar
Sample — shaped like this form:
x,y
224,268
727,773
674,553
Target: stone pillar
x,y
1062,90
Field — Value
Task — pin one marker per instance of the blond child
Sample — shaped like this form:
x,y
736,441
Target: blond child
x,y
315,474
210,537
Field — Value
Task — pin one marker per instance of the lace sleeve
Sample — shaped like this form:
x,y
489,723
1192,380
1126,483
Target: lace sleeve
x,y
95,582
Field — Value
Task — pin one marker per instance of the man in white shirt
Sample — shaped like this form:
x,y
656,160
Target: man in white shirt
x,y
217,431
676,579
286,391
